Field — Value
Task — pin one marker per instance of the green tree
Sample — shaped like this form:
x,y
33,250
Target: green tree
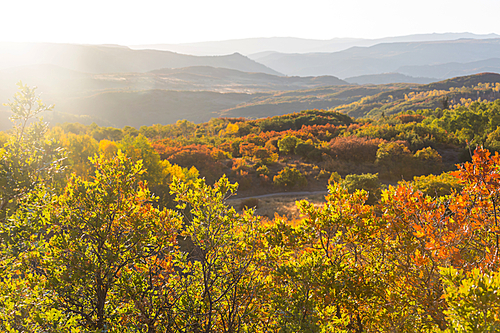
x,y
427,160
394,159
287,144
290,177
367,181
99,230
219,280
29,163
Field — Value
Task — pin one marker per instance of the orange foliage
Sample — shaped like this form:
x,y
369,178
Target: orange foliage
x,y
355,149
462,230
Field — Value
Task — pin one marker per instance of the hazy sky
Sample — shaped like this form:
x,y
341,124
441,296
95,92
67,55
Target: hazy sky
x,y
177,21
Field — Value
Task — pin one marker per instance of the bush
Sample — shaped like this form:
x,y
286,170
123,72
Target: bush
x,y
352,148
249,203
410,118
322,174
289,177
473,300
334,178
287,144
427,161
395,160
437,185
367,181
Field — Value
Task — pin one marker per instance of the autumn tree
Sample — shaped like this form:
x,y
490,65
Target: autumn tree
x,y
96,231
219,280
29,165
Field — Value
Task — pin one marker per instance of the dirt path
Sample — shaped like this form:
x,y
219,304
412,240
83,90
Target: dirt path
x,y
279,194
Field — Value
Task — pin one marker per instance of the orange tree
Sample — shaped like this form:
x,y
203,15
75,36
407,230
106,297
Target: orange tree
x,y
425,233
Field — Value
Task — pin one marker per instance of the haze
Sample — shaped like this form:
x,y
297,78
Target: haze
x,y
129,23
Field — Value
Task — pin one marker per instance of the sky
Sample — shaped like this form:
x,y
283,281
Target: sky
x,y
186,21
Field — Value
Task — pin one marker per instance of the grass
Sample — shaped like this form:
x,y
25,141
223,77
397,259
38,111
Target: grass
x,y
281,205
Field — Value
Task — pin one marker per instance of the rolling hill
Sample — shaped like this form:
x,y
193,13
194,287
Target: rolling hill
x,y
195,93
441,94
388,78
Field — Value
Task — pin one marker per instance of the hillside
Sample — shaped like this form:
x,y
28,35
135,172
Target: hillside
x,y
384,58
443,94
138,99
195,93
294,101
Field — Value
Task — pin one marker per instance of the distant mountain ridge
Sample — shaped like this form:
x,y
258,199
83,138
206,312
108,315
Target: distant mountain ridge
x,y
115,59
385,78
384,58
453,69
252,46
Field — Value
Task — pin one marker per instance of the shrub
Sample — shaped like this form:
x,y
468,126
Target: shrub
x,y
352,148
322,174
473,300
287,144
410,118
427,160
395,160
289,177
437,185
303,149
334,178
249,203
367,181
262,170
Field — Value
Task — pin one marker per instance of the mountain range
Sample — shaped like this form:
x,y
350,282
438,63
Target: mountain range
x,y
253,46
115,58
117,85
384,58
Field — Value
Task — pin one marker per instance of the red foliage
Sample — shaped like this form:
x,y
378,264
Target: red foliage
x,y
199,156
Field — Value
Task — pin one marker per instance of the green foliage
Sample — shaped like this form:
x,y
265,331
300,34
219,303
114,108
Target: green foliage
x,y
492,142
99,230
290,177
394,159
219,280
334,178
29,164
368,182
287,144
473,300
440,185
